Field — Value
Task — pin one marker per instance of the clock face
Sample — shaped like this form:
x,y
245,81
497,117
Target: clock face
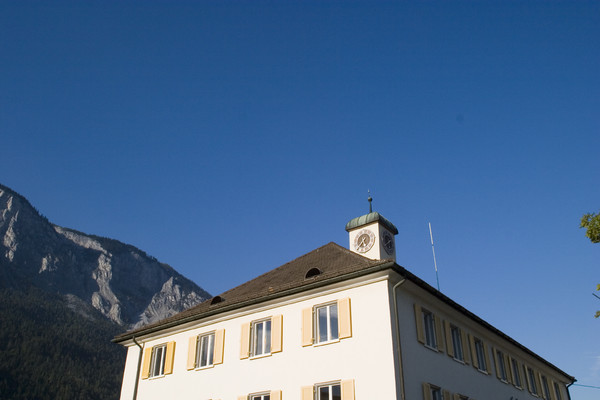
x,y
364,241
387,242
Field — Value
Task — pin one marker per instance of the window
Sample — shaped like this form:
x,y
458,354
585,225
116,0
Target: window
x,y
545,388
272,395
262,337
432,392
516,373
479,354
499,358
206,350
429,324
557,391
531,380
457,343
338,390
429,328
326,323
157,364
158,360
329,392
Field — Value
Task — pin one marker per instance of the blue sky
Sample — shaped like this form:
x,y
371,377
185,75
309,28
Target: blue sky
x,y
227,138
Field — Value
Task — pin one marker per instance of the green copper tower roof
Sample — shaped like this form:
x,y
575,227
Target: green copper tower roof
x,y
367,219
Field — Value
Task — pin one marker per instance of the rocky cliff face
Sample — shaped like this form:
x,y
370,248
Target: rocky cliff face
x,y
122,282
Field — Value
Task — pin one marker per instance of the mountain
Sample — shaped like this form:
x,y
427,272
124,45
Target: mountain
x,y
122,282
64,295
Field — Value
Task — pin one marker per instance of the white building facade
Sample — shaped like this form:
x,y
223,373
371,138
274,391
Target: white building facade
x,y
334,324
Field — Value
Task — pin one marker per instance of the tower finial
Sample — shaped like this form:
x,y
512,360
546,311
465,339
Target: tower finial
x,y
370,199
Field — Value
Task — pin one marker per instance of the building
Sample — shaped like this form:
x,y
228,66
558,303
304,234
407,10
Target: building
x,y
334,324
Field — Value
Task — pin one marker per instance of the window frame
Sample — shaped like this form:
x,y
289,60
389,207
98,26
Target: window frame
x,y
557,391
330,325
266,338
457,343
210,353
480,348
531,382
429,329
330,386
260,396
154,373
501,371
516,373
545,387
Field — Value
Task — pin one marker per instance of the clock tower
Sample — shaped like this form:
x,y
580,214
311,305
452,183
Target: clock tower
x,y
372,236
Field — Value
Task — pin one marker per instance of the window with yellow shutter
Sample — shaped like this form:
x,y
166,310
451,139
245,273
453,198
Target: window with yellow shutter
x,y
262,337
326,323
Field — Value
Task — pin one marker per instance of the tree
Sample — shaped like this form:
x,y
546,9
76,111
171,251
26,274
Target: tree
x,y
597,312
591,222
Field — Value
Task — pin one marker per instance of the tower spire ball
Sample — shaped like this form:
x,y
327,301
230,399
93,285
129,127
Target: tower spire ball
x,y
370,199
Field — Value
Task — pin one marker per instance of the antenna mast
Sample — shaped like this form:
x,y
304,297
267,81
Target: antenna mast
x,y
437,278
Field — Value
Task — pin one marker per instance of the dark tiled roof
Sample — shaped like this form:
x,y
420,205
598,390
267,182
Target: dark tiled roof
x,y
325,264
330,263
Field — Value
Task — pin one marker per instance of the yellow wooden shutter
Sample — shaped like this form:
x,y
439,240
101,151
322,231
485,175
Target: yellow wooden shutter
x,y
439,334
488,367
446,395
344,318
419,322
426,391
146,363
275,394
307,392
449,346
245,341
169,358
348,389
465,346
496,362
456,396
219,346
507,368
191,361
307,327
276,333
473,351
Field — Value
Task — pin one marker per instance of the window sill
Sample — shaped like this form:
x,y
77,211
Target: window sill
x,y
458,360
260,356
431,348
326,343
151,378
205,367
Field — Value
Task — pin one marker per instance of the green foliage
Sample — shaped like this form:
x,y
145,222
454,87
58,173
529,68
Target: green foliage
x,y
597,312
591,222
50,352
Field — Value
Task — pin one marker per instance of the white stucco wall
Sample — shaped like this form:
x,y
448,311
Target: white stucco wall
x,y
422,364
366,357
